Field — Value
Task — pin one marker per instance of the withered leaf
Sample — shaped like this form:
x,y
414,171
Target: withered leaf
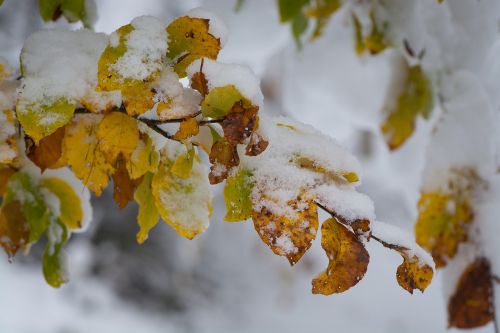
x,y
123,186
240,123
48,151
223,156
256,145
14,229
471,305
348,259
288,236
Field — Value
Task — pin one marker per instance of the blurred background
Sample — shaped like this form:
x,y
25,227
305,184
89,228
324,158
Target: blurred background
x,y
227,280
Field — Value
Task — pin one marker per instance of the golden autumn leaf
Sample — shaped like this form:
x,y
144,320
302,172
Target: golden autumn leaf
x,y
442,224
47,153
288,236
470,305
187,128
415,99
199,81
123,185
321,11
375,42
71,207
81,149
117,134
348,259
148,215
183,164
14,229
138,97
189,40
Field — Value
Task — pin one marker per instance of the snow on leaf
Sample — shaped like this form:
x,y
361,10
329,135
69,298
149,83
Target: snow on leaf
x,y
470,305
348,259
415,99
184,204
237,195
417,269
183,163
82,151
223,156
71,212
445,215
117,134
189,39
54,258
47,153
288,235
148,215
8,141
40,120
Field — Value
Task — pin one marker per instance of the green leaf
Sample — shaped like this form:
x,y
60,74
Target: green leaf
x,y
1,2
289,9
54,258
237,195
219,101
22,187
73,10
148,213
299,27
50,10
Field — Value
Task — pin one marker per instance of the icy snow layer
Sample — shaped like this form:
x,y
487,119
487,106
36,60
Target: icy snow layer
x,y
220,75
301,160
146,48
58,63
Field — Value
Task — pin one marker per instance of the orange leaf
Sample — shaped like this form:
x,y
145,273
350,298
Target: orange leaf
x,y
187,129
123,186
14,230
48,151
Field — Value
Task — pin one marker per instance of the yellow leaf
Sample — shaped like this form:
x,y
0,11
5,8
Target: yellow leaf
x,y
144,158
442,224
187,129
322,10
148,213
138,97
237,195
81,150
70,205
117,134
220,100
184,164
348,259
185,204
358,35
41,119
189,40
375,41
471,304
415,99
288,236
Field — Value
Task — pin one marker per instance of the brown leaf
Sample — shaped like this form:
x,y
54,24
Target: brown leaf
x,y
288,236
223,156
123,186
240,123
48,151
5,173
348,259
256,145
14,229
471,305
199,82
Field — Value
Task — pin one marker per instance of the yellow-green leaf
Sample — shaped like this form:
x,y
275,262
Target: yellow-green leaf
x,y
70,205
148,215
237,195
219,101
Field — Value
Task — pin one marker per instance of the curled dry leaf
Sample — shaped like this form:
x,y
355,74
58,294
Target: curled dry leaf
x,y
256,145
240,123
348,259
223,156
288,235
471,305
14,229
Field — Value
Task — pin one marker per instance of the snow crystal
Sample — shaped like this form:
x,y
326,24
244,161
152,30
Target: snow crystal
x,y
216,26
285,244
146,48
220,75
